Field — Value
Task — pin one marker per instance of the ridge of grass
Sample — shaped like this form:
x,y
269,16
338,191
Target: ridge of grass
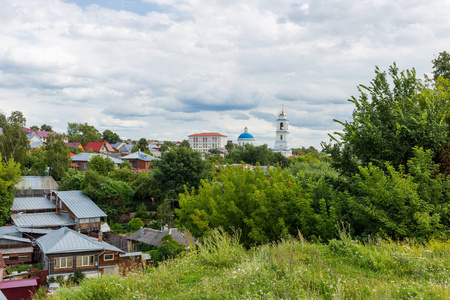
x,y
289,269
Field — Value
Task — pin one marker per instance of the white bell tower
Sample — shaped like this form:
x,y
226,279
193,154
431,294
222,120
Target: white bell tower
x,y
282,135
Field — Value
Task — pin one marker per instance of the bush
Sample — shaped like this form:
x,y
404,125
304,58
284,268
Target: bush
x,y
135,224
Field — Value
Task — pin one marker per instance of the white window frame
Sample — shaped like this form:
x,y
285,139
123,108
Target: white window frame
x,y
81,261
66,264
106,259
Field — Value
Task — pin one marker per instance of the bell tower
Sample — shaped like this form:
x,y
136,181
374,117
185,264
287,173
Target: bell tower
x,y
282,135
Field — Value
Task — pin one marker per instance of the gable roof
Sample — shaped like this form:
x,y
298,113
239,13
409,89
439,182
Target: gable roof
x,y
116,145
85,157
141,156
37,183
40,220
80,205
7,230
96,146
31,203
73,144
15,239
154,237
66,240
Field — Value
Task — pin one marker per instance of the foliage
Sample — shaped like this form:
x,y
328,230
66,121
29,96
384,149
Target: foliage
x,y
145,187
165,214
76,278
304,151
35,163
13,140
9,177
72,181
111,137
290,269
126,165
167,250
179,167
101,165
141,212
441,65
251,155
141,145
135,224
185,144
83,133
389,124
123,174
266,206
56,156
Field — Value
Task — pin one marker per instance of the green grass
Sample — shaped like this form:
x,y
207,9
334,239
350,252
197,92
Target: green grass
x,y
290,269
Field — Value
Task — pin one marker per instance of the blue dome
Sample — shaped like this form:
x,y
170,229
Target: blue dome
x,y
246,135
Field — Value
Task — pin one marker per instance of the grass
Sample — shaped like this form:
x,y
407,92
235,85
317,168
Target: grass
x,y
289,269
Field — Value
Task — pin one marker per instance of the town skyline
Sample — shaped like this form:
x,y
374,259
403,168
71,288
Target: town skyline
x,y
167,69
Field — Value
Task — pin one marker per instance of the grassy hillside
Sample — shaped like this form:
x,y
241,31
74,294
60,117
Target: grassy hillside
x,y
290,269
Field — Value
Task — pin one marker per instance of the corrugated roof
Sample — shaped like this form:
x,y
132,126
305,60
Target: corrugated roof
x,y
8,230
40,220
15,238
35,230
154,237
31,203
37,183
207,134
80,205
141,156
18,283
66,240
87,156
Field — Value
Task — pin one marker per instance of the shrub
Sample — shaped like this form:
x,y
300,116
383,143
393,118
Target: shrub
x,y
135,224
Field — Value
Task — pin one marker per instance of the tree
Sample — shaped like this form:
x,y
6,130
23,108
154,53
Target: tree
x,y
101,165
83,133
9,177
135,224
35,163
57,155
165,213
185,144
34,127
13,141
388,123
141,145
266,206
111,137
179,167
441,65
45,127
229,146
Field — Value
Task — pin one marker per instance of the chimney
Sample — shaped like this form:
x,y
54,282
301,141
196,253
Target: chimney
x,y
100,236
141,232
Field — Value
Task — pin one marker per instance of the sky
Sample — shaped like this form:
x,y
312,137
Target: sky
x,y
165,69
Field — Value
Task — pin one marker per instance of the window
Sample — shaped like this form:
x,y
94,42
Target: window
x,y
82,221
281,126
109,257
63,262
84,261
86,166
281,137
93,220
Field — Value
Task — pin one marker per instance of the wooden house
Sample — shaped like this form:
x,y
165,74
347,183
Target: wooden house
x,y
140,160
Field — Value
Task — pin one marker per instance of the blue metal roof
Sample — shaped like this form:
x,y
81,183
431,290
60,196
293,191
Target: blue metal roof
x,y
40,220
87,156
246,136
80,205
31,203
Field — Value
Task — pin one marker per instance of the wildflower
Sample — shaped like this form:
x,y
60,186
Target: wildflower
x,y
234,277
257,268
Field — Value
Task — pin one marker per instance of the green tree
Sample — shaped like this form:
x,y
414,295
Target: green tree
x,y
13,140
101,165
34,127
266,206
56,155
83,133
111,137
179,167
135,224
165,214
388,123
9,177
185,144
146,188
168,249
229,146
142,145
45,127
441,65
35,163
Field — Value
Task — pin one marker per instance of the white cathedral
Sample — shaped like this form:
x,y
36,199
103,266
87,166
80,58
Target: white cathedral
x,y
282,135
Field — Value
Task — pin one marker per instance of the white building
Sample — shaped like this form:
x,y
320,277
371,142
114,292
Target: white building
x,y
245,138
202,142
282,135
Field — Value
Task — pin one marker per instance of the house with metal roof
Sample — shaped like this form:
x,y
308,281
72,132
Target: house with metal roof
x,y
14,247
75,145
154,237
64,251
32,205
80,208
140,160
42,220
35,186
82,160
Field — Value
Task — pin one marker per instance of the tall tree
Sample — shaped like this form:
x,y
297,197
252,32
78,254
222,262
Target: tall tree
x,y
57,155
45,127
185,144
9,177
441,65
83,133
111,137
141,145
179,167
13,141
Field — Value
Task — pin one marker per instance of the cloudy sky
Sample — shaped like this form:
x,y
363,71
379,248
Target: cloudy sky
x,y
164,69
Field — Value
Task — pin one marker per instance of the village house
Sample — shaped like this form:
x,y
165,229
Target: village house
x,y
64,251
154,237
14,248
139,160
102,147
75,145
82,160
